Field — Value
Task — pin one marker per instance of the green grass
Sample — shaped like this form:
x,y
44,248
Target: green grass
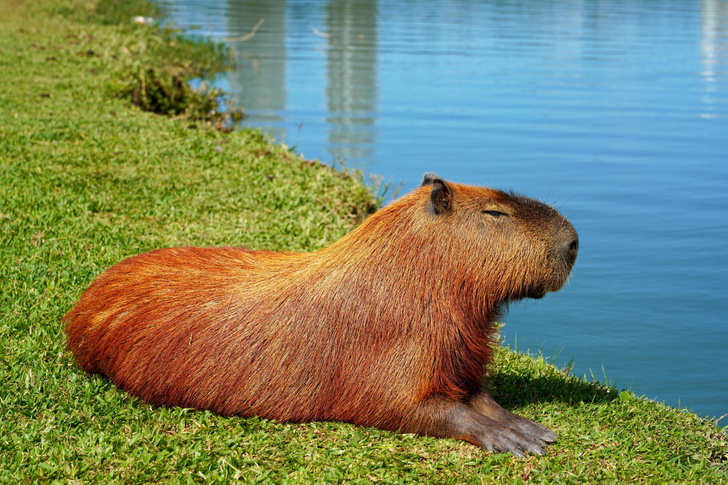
x,y
87,179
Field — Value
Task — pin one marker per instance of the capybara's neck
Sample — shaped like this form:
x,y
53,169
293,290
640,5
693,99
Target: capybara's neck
x,y
400,254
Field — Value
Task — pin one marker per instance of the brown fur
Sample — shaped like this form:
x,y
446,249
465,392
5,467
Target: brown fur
x,y
389,327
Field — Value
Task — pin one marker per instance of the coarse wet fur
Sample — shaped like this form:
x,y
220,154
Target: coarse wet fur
x,y
390,327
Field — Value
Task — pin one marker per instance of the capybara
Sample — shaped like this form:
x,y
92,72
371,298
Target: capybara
x,y
391,326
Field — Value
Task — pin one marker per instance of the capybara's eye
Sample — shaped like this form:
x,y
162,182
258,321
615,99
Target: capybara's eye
x,y
495,214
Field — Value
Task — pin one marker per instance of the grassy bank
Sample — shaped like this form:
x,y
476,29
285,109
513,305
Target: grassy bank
x,y
87,178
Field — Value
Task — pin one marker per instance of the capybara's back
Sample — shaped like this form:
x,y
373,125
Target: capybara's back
x,y
390,326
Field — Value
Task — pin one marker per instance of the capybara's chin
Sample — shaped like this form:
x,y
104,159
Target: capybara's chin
x,y
391,326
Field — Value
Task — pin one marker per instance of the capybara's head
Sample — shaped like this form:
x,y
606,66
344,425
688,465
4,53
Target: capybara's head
x,y
515,246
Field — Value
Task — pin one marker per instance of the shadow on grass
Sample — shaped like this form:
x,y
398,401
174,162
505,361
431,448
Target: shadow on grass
x,y
511,390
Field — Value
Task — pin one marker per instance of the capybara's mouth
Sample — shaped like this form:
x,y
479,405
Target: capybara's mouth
x,y
537,293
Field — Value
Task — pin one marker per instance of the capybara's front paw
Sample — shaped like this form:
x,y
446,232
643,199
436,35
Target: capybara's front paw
x,y
502,439
532,430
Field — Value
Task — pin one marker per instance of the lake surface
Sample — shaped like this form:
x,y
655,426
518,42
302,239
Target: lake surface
x,y
614,111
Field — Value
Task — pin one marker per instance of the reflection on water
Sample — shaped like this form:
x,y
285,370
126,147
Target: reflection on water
x,y
259,84
351,68
713,48
281,47
616,111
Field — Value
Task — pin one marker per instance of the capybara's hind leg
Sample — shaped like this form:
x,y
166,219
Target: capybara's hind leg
x,y
484,403
444,418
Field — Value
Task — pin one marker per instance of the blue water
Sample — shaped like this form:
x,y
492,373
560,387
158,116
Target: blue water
x,y
614,111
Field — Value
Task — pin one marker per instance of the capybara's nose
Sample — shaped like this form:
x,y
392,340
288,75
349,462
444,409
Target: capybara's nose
x,y
570,244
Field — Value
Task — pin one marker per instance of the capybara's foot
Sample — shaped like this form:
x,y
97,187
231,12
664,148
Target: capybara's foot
x,y
484,403
531,429
502,439
444,418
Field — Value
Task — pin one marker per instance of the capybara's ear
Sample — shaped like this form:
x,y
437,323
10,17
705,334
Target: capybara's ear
x,y
428,179
441,196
